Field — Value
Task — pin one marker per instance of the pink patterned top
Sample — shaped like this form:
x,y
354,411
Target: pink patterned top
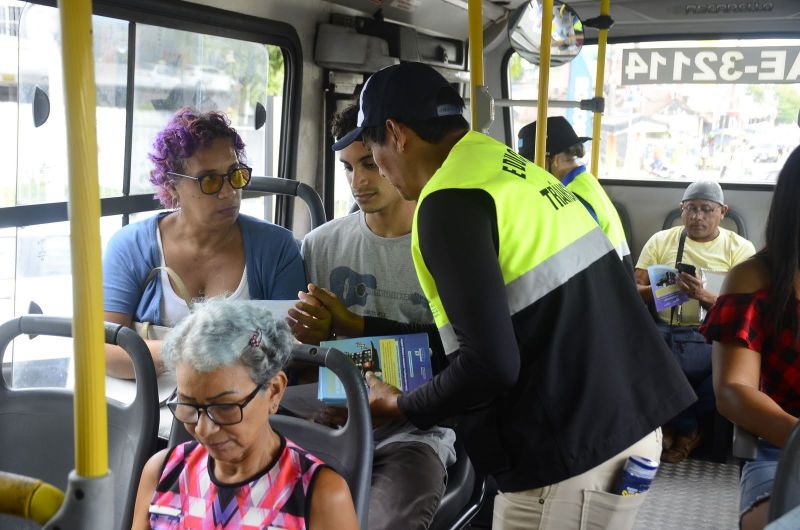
x,y
188,496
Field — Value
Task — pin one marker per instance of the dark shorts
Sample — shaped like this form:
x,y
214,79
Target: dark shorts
x,y
758,477
408,481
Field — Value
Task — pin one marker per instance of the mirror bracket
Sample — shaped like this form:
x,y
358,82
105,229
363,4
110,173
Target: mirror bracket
x,y
601,22
593,104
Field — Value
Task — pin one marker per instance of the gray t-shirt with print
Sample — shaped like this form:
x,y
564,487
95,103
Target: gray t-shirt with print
x,y
374,276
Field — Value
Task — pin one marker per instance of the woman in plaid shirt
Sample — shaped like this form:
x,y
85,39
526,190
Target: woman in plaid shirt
x,y
756,344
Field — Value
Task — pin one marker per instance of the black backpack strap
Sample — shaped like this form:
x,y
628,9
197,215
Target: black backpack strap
x,y
681,243
678,257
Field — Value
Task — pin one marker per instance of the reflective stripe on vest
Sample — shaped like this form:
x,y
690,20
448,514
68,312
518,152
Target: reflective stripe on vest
x,y
588,188
545,234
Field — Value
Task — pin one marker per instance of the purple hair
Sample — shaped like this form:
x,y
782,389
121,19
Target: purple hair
x,y
185,134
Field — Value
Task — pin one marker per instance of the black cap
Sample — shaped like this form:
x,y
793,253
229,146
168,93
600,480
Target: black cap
x,y
407,92
560,136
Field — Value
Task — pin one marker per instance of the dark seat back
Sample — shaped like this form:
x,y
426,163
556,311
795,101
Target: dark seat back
x,y
347,450
36,424
463,495
625,219
732,221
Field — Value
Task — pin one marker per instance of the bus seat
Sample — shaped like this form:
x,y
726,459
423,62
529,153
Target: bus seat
x,y
625,219
347,450
292,188
36,425
744,443
732,221
463,495
786,490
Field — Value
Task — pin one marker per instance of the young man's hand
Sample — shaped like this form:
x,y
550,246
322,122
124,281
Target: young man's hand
x,y
309,320
343,321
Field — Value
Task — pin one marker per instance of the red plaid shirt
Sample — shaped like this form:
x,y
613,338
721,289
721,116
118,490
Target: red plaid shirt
x,y
741,318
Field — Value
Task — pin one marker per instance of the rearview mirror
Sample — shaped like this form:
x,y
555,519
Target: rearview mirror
x,y
525,31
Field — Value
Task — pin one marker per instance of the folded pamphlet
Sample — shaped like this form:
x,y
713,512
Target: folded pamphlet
x,y
403,361
663,282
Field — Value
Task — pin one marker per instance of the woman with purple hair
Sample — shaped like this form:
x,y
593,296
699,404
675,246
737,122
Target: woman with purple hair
x,y
201,246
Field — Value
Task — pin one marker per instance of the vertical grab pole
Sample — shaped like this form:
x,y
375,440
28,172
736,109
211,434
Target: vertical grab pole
x,y
597,118
91,431
475,57
544,82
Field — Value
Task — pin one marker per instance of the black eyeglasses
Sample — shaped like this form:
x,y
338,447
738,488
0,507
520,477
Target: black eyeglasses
x,y
211,183
702,210
221,414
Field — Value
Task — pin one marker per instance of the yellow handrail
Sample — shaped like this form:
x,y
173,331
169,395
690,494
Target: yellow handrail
x,y
29,498
597,118
91,436
475,56
544,82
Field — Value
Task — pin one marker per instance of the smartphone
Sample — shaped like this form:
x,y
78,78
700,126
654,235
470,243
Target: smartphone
x,y
688,269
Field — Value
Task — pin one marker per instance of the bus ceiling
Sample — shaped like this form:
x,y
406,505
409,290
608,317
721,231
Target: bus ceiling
x,y
633,19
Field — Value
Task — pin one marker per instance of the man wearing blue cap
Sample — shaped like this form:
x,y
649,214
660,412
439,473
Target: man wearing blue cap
x,y
510,261
701,242
562,160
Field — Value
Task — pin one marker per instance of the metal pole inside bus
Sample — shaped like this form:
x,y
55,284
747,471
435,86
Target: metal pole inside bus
x,y
475,58
597,117
89,502
544,82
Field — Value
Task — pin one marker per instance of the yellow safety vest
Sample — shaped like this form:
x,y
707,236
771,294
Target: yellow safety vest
x,y
588,188
545,234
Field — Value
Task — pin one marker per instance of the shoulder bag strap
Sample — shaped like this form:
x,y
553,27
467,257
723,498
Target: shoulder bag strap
x,y
183,292
678,257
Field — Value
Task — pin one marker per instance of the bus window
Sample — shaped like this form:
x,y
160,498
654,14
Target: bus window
x,y
41,273
172,68
42,157
727,112
179,68
10,13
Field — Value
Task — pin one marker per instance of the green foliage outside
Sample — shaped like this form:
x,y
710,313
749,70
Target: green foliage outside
x,y
515,68
276,69
788,104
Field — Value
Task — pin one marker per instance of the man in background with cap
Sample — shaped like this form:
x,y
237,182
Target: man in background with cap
x,y
706,246
564,151
509,261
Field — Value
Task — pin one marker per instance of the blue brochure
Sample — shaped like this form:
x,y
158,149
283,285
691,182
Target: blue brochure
x,y
403,361
663,282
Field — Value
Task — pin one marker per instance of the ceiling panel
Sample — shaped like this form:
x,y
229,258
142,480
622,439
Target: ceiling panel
x,y
633,18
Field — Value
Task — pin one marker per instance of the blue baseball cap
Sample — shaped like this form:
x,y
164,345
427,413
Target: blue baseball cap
x,y
407,92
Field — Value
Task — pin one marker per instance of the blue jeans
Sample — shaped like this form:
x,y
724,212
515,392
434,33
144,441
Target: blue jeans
x,y
758,477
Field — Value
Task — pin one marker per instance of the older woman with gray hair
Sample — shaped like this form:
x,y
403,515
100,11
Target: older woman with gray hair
x,y
229,358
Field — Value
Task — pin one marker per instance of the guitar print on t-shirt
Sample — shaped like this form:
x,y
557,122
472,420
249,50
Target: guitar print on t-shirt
x,y
362,290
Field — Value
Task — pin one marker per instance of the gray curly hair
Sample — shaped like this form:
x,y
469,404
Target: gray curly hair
x,y
220,332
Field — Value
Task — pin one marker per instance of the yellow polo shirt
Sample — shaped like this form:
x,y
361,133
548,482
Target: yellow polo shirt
x,y
720,254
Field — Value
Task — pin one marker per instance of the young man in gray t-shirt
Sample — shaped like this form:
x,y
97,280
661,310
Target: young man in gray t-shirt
x,y
365,259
